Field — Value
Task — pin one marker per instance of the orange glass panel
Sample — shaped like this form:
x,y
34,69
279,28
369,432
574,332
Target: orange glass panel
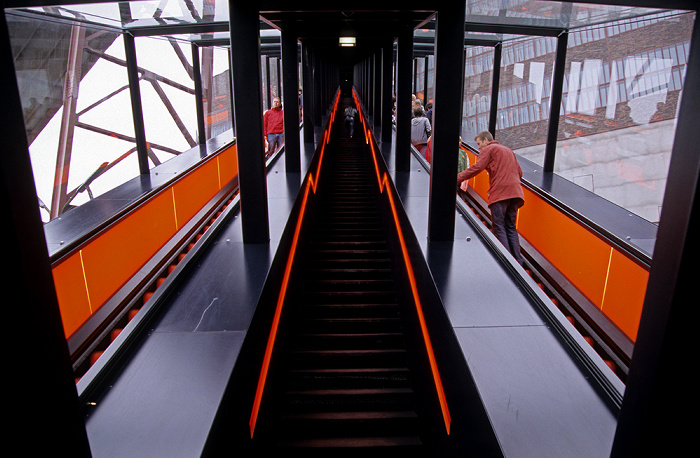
x,y
577,253
72,295
479,183
624,295
228,165
194,190
113,257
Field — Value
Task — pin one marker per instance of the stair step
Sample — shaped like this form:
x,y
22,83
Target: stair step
x,y
354,442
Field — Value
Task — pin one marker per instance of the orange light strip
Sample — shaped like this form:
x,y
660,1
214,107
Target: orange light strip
x,y
383,183
311,185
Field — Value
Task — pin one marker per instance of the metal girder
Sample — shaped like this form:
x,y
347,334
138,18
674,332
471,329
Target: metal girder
x,y
70,101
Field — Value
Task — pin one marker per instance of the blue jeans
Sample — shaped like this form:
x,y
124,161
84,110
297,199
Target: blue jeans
x,y
274,141
349,126
503,216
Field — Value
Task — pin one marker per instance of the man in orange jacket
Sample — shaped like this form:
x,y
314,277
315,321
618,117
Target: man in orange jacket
x,y
273,125
505,191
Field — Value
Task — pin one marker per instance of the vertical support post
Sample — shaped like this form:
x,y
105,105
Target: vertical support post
x,y
45,399
378,89
555,101
447,117
495,87
318,89
404,64
70,101
425,81
136,106
290,83
198,97
245,65
308,100
415,77
650,422
387,78
268,93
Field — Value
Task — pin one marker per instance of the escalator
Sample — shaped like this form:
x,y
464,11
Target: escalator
x,y
342,380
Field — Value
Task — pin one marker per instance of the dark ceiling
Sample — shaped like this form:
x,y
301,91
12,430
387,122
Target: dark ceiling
x,y
320,29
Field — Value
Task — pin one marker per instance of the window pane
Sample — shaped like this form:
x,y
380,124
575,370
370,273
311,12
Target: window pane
x,y
86,94
477,91
526,78
618,120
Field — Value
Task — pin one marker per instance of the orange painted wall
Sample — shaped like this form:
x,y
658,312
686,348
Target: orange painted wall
x,y
608,278
86,279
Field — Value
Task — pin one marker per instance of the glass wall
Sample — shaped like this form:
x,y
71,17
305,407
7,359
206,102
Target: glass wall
x,y
270,80
621,91
524,93
623,82
73,82
478,75
167,96
216,90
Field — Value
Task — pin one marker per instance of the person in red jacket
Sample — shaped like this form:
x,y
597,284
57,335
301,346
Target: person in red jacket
x,y
273,125
505,191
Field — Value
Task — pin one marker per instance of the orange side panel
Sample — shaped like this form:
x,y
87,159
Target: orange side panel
x,y
624,296
113,257
72,295
194,190
578,254
479,183
228,165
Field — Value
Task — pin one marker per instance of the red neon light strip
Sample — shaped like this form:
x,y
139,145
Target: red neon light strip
x,y
311,185
383,183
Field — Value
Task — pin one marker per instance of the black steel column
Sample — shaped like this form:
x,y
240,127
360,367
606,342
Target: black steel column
x,y
378,89
244,24
266,96
658,393
425,82
447,117
41,398
555,101
415,77
197,78
495,87
308,99
404,64
136,106
290,83
387,78
318,89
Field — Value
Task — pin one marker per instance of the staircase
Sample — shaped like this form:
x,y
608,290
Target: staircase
x,y
342,385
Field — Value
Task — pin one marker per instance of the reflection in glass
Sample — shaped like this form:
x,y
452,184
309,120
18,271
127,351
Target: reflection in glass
x,y
621,91
524,93
216,89
478,74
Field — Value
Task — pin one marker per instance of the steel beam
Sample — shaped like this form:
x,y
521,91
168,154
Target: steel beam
x,y
404,70
447,117
68,119
136,106
555,101
247,106
290,84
